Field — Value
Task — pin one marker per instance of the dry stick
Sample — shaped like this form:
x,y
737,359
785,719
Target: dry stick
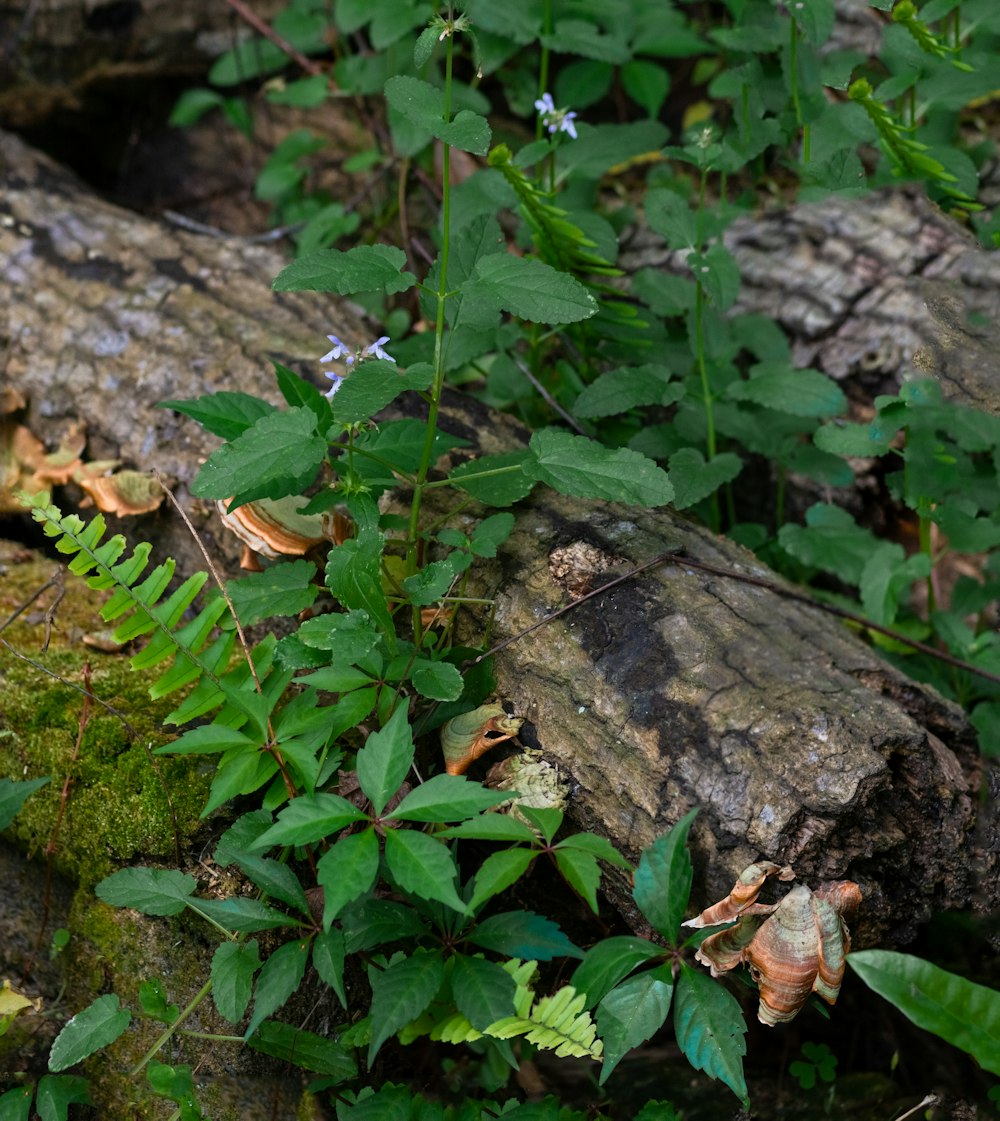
x,y
548,398
757,582
268,32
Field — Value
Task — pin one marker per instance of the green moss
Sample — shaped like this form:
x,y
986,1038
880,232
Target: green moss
x,y
123,802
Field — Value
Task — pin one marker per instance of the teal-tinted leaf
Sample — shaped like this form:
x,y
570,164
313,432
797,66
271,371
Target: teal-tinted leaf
x,y
243,916
328,955
153,891
632,1013
15,1105
175,1083
282,589
401,992
663,880
57,1092
13,795
582,468
609,962
279,456
788,390
279,977
373,922
153,998
710,1029
438,681
422,865
961,1012
99,1024
310,818
446,798
693,479
718,273
365,268
383,762
372,385
582,872
498,872
423,105
503,489
233,967
346,871
619,390
523,934
483,991
305,1049
224,414
847,438
533,290
424,46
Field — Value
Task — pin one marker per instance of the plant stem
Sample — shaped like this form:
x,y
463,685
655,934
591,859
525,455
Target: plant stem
x,y
168,1034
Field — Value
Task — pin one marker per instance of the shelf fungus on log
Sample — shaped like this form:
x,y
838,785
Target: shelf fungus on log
x,y
793,948
466,737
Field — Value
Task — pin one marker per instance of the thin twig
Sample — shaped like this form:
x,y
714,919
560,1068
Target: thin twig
x,y
548,398
282,44
931,1099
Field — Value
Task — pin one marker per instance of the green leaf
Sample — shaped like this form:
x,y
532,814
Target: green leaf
x,y
438,681
647,83
718,273
423,866
373,384
495,490
328,954
663,880
305,1049
446,798
57,1092
423,105
483,990
354,576
243,916
13,795
582,468
961,1012
224,414
279,456
533,290
346,871
233,967
626,388
401,992
830,540
385,759
492,827
523,934
780,386
350,634
671,216
153,998
310,818
710,1029
490,534
693,479
582,872
279,977
608,962
372,922
497,872
282,589
365,268
632,1013
15,1105
153,891
99,1024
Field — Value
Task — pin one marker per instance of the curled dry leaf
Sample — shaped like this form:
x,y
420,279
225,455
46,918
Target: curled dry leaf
x,y
465,738
273,527
795,947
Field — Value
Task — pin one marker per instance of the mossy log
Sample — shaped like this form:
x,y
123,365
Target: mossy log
x,y
679,688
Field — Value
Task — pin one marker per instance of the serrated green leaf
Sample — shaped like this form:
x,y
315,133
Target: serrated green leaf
x,y
153,891
282,589
523,934
350,634
647,83
718,274
278,456
233,967
495,490
609,962
483,990
347,870
57,1092
710,1029
498,872
100,1023
446,798
153,998
401,992
663,880
423,866
533,290
373,922
693,479
384,761
960,1012
328,955
626,388
365,268
830,540
492,827
310,818
438,681
423,105
582,872
305,1049
788,390
13,795
582,468
632,1013
671,216
597,846
279,977
373,384
242,916
226,414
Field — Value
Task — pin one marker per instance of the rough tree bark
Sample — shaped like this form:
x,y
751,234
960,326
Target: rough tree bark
x,y
679,688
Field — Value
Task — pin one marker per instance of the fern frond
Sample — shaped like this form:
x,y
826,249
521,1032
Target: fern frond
x,y
557,1023
197,653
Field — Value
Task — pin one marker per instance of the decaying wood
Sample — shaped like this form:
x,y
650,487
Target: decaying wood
x,y
676,689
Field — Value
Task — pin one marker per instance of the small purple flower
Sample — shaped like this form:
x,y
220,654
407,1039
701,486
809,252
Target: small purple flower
x,y
337,380
555,120
545,104
566,124
339,349
376,351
